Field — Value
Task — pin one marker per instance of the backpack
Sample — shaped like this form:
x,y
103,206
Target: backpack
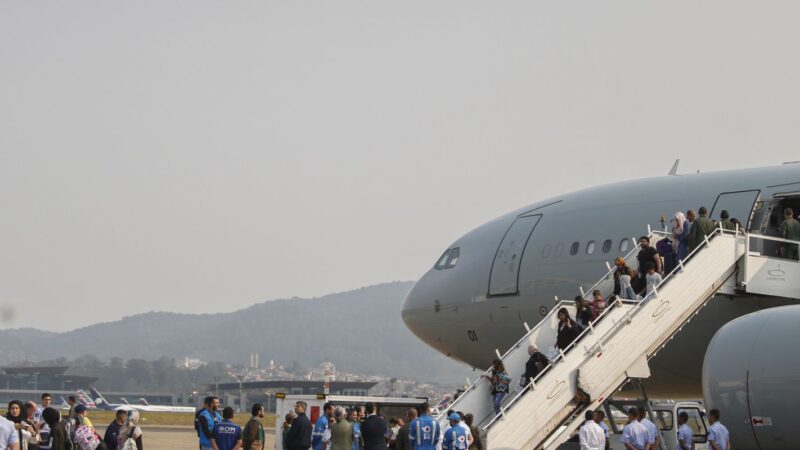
x,y
130,443
69,430
86,439
197,424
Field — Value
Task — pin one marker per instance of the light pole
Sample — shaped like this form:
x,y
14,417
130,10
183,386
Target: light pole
x,y
216,385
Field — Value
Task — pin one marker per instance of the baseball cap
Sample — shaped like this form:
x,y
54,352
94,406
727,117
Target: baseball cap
x,y
80,408
454,416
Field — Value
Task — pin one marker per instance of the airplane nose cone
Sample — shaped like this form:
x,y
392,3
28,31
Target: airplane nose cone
x,y
418,308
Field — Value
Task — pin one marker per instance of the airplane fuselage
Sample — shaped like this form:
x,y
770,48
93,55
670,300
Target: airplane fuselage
x,y
509,271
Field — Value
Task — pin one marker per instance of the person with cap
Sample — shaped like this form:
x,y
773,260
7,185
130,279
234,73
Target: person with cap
x,y
455,438
80,417
685,434
424,432
634,434
590,434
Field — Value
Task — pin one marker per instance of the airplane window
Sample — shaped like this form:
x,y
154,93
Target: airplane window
x,y
624,244
573,250
607,246
453,259
590,247
546,251
442,260
559,250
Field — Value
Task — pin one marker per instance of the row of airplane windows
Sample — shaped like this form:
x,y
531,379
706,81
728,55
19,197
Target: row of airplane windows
x,y
591,246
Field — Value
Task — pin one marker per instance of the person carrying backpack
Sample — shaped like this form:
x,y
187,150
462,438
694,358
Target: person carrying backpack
x,y
204,421
130,436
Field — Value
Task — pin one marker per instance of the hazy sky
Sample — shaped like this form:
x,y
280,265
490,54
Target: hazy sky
x,y
202,156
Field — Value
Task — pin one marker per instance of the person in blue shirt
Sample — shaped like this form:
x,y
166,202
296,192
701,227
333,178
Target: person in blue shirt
x,y
685,434
634,435
352,416
206,419
317,437
424,432
455,438
227,435
718,436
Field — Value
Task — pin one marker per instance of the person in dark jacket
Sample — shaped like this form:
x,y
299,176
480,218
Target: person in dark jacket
x,y
536,363
58,430
374,430
299,435
402,442
112,431
622,269
568,329
583,312
701,227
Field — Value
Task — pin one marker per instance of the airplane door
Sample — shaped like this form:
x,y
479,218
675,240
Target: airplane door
x,y
504,277
738,204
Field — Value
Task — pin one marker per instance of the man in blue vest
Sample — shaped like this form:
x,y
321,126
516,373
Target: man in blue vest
x,y
206,419
455,438
323,422
424,432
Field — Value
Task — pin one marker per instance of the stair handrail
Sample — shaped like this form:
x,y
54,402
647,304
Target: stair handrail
x,y
615,327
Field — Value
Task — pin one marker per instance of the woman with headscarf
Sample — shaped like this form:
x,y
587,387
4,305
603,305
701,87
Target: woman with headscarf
x,y
680,234
28,433
130,436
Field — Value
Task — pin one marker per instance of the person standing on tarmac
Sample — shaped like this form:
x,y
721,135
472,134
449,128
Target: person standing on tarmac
x,y
317,438
402,442
455,438
299,435
358,442
685,434
253,433
634,434
653,436
424,432
718,436
590,435
206,419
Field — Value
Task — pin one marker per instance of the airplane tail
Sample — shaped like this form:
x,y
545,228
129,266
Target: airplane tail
x,y
98,397
85,399
124,401
143,401
64,403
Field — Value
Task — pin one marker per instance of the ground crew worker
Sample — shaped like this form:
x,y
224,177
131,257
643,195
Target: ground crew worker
x,y
701,227
790,230
653,436
634,435
317,437
455,438
424,432
718,435
590,435
685,434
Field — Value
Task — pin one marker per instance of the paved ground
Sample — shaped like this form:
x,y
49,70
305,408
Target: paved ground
x,y
177,438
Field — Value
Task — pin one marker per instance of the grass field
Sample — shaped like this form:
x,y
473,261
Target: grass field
x,y
102,418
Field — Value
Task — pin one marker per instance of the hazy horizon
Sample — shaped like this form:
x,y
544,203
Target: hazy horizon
x,y
205,156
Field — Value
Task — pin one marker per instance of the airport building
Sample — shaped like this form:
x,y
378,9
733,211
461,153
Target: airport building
x,y
264,391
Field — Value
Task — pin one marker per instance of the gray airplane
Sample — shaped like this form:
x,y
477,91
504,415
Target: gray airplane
x,y
507,272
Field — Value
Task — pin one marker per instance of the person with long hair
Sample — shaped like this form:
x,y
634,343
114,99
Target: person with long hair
x,y
568,329
500,381
27,432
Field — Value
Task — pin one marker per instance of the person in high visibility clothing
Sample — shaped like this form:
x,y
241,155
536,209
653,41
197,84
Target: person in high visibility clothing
x,y
323,422
455,438
424,432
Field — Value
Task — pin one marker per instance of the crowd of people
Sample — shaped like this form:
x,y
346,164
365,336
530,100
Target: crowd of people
x,y
28,426
363,428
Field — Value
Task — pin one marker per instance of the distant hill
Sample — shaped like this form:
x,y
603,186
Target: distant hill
x,y
360,331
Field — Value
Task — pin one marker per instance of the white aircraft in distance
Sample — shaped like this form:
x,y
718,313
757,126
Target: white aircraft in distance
x,y
142,406
480,296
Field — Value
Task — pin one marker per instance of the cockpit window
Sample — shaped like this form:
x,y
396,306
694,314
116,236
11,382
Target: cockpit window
x,y
453,259
442,262
449,259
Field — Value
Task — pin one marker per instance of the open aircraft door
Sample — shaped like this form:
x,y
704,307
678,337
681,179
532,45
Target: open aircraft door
x,y
504,277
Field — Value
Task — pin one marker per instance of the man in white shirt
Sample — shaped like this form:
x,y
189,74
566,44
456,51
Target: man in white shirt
x,y
718,436
685,434
634,435
653,436
9,438
591,435
600,420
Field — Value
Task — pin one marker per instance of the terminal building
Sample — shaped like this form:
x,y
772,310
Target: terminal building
x,y
243,395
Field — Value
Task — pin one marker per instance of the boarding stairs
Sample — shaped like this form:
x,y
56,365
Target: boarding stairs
x,y
617,346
